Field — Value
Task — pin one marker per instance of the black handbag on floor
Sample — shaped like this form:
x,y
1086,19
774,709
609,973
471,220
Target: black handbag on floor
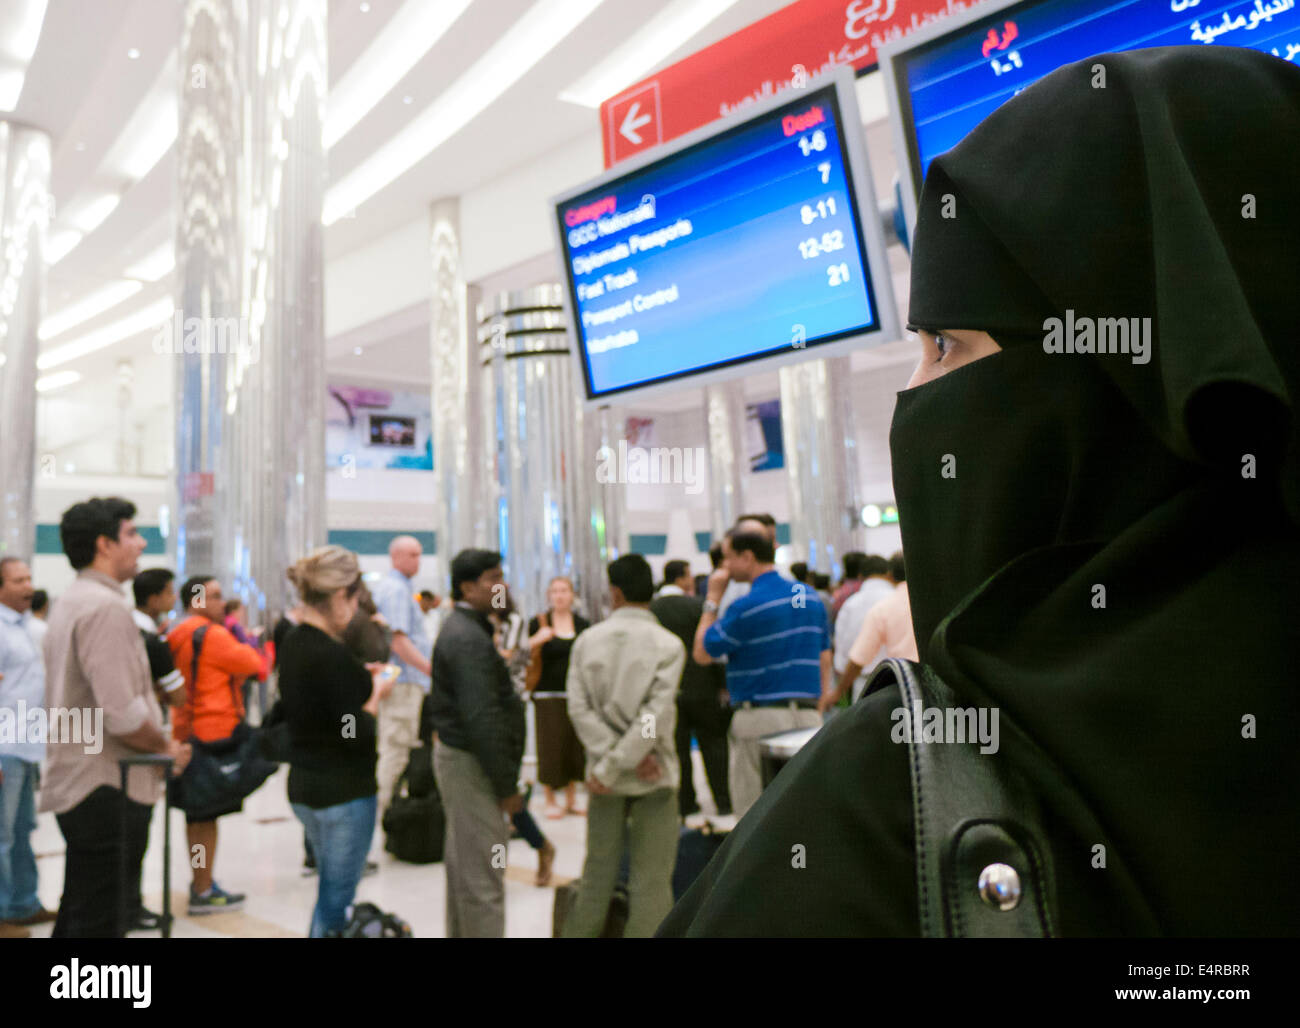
x,y
369,922
222,773
415,824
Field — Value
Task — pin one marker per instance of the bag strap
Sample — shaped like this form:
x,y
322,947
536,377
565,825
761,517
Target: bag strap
x,y
983,866
196,647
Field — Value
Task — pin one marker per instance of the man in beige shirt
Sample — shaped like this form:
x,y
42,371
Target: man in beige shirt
x,y
886,632
622,691
96,665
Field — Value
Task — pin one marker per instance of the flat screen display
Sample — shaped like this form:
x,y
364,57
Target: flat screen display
x,y
391,430
956,75
738,246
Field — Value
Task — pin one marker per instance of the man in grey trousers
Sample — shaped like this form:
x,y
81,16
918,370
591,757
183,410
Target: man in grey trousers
x,y
622,689
478,719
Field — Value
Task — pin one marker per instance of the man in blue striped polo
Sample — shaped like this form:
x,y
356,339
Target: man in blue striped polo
x,y
777,647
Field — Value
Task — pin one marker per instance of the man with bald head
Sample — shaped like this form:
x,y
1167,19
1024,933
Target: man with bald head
x,y
399,712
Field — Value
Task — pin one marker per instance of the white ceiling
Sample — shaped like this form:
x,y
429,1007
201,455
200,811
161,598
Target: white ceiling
x,y
95,101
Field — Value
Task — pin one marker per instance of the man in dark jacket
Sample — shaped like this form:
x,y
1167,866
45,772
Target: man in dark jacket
x,y
479,721
702,707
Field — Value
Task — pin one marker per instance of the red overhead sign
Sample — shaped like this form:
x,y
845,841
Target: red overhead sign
x,y
771,55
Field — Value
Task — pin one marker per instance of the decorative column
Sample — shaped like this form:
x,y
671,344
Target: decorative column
x,y
554,516
25,203
251,428
209,253
822,469
724,411
457,395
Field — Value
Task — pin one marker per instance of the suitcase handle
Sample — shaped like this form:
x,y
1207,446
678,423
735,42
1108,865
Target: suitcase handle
x,y
125,764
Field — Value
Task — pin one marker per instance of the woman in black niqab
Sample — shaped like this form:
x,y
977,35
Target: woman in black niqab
x,y
1102,546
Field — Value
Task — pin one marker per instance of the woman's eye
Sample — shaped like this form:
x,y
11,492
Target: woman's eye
x,y
942,345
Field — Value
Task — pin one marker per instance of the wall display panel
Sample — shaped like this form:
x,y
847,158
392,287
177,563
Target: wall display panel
x,y
945,79
742,242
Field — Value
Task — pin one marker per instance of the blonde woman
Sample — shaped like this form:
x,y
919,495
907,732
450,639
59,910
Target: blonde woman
x,y
330,700
561,763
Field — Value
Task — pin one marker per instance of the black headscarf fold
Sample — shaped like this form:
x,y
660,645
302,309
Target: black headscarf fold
x,y
1107,550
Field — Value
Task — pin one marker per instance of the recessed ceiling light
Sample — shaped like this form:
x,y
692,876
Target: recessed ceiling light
x,y
79,147
395,50
509,59
653,43
408,99
133,53
356,351
365,8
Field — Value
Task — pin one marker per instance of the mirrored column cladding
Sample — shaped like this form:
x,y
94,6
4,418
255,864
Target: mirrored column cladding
x,y
821,463
724,409
25,207
250,447
553,515
458,455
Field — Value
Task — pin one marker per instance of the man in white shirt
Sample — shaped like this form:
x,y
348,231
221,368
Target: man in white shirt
x,y
886,632
22,689
877,583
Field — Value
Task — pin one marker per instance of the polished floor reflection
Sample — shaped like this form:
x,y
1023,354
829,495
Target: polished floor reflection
x,y
260,853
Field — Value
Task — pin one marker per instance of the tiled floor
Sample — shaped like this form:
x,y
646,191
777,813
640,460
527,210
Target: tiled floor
x,y
259,852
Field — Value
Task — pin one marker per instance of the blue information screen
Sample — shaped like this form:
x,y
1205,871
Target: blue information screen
x,y
956,81
738,247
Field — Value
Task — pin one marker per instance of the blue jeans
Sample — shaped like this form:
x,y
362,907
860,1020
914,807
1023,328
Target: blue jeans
x,y
340,837
17,822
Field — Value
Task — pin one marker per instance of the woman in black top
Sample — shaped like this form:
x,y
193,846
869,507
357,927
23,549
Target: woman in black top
x,y
330,701
561,762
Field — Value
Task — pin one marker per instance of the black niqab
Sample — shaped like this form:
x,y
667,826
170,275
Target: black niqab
x,y
1112,558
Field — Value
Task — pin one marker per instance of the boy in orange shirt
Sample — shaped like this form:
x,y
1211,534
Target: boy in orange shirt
x,y
213,709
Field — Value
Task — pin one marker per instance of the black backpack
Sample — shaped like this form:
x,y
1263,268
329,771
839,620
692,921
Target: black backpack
x,y
369,922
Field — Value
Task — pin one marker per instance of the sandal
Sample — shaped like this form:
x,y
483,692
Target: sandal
x,y
545,860
553,812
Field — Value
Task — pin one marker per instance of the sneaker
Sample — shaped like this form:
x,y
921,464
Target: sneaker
x,y
146,921
9,930
215,901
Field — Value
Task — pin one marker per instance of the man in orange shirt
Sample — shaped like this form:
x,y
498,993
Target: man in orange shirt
x,y
213,709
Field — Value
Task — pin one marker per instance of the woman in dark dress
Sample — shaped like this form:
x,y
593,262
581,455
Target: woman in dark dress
x,y
561,762
329,700
1102,545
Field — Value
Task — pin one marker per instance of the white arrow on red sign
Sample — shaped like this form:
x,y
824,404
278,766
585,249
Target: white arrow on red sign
x,y
631,123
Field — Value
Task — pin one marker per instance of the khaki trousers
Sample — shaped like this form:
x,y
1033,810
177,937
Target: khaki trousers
x,y
649,826
474,851
399,732
745,763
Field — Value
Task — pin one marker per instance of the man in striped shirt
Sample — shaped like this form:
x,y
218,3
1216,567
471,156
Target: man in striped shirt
x,y
778,653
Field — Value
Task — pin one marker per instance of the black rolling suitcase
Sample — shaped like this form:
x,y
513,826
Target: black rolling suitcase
x,y
123,886
695,848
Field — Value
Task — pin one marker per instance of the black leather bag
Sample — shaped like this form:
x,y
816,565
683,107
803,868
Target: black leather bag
x,y
222,773
415,824
983,866
367,921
